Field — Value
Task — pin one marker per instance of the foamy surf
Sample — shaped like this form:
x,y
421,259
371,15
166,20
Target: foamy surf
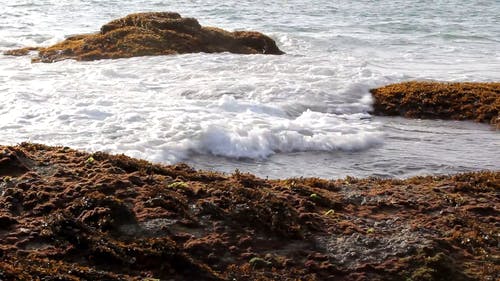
x,y
303,113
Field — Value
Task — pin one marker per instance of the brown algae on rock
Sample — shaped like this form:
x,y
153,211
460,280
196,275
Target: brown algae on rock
x,y
152,34
478,101
117,218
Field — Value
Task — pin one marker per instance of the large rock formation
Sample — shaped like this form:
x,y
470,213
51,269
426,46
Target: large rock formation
x,y
69,215
149,34
458,101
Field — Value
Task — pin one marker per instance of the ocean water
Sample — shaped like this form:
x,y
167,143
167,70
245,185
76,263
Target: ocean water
x,y
305,113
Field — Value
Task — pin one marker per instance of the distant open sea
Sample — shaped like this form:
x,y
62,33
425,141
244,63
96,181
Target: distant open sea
x,y
305,113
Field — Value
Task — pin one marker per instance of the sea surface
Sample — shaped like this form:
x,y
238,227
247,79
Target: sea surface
x,y
305,113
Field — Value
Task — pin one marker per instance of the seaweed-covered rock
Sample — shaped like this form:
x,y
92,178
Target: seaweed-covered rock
x,y
149,34
79,216
458,101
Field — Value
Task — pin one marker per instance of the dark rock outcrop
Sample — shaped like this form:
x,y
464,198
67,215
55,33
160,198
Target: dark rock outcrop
x,y
154,33
457,101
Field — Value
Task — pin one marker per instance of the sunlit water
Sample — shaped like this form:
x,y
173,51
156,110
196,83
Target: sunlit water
x,y
301,114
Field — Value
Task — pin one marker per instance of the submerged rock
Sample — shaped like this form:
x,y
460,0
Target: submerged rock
x,y
457,101
150,34
71,215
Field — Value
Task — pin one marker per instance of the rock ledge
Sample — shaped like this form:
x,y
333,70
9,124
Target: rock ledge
x,y
71,215
476,101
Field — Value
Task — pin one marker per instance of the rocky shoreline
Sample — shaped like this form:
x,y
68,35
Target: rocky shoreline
x,y
478,101
152,34
71,215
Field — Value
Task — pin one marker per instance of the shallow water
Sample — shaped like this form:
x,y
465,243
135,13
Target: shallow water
x,y
301,114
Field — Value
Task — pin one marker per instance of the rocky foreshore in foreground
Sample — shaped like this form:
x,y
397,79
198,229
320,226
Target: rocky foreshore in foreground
x,y
152,34
478,101
71,215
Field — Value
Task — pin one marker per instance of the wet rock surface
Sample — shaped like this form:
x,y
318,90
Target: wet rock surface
x,y
458,101
149,34
70,215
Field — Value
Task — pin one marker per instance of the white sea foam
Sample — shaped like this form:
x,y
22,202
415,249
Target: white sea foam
x,y
275,115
